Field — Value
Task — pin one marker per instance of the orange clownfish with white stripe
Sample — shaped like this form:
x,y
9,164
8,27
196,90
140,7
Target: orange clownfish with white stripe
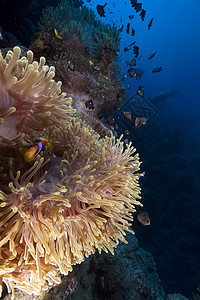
x,y
33,151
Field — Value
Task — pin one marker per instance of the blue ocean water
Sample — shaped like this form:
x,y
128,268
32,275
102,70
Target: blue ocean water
x,y
169,143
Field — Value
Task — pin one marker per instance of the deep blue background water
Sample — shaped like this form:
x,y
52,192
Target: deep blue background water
x,y
168,144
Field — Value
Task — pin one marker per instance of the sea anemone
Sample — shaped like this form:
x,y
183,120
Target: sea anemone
x,y
30,99
67,203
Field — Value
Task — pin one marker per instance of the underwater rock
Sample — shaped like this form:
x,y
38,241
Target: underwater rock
x,y
129,274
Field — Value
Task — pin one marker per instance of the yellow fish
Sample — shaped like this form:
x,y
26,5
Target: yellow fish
x,y
57,35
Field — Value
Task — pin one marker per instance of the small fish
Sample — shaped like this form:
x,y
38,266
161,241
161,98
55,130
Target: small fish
x,y
133,3
128,28
138,76
71,66
116,52
131,17
128,115
140,57
133,43
143,14
139,121
136,51
132,32
143,217
96,68
152,55
1,36
140,93
156,70
89,104
126,131
57,35
33,151
150,24
132,62
128,86
101,10
88,1
127,48
91,63
124,77
138,7
132,72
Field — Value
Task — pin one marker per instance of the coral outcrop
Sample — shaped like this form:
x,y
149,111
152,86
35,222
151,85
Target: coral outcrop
x,y
85,53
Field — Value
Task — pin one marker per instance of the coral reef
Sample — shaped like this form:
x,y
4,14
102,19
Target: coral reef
x,y
85,53
70,201
130,274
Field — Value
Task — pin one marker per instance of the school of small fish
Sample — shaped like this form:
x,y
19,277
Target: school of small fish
x,y
142,216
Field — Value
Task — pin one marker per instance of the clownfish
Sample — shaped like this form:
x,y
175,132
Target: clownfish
x,y
57,35
33,151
